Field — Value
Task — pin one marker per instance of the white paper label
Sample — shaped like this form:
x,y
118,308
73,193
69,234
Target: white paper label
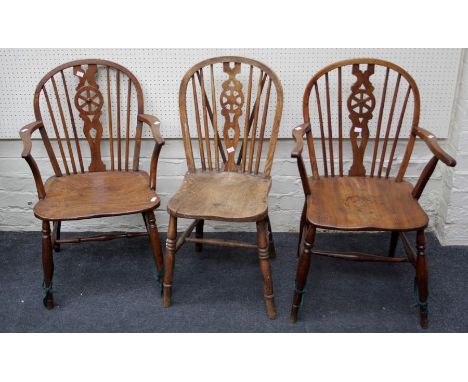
x,y
79,73
231,149
357,129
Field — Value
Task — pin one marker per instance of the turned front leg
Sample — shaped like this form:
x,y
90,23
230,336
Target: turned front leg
x,y
47,265
263,256
170,260
302,271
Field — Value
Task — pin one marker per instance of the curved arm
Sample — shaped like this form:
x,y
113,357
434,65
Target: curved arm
x,y
431,142
25,134
298,134
153,123
439,154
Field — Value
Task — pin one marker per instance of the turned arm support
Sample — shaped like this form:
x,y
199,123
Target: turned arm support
x,y
439,154
298,134
153,123
25,134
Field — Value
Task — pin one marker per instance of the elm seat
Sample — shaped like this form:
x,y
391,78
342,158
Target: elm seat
x,y
227,196
363,203
96,194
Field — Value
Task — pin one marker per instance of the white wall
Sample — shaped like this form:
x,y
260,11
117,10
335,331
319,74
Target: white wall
x,y
452,214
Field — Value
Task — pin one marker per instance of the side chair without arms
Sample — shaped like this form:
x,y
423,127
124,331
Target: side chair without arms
x,y
232,107
88,99
371,194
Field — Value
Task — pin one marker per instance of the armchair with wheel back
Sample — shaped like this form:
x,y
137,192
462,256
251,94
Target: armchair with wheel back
x,y
230,111
371,102
75,106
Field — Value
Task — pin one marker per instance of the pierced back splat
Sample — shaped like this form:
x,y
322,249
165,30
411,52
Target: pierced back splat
x,y
380,98
97,99
232,101
89,101
249,101
361,104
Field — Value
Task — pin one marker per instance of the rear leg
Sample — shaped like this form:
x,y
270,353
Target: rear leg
x,y
56,235
199,235
393,243
271,243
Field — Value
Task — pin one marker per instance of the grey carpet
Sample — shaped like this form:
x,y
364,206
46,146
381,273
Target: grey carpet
x,y
111,287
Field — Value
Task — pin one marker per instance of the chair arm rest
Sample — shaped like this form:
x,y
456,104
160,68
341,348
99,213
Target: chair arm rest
x,y
298,134
154,123
431,142
25,134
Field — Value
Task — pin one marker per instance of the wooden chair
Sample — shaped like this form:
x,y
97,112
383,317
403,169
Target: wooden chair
x,y
228,178
367,192
90,98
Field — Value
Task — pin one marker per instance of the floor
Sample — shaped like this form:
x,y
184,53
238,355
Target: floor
x,y
111,287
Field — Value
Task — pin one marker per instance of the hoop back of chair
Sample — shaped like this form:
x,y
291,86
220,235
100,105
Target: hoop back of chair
x,y
80,103
368,101
230,112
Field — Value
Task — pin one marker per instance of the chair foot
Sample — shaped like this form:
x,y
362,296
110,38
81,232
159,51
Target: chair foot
x,y
167,294
423,317
199,235
293,315
48,301
170,261
302,271
270,306
265,268
298,296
